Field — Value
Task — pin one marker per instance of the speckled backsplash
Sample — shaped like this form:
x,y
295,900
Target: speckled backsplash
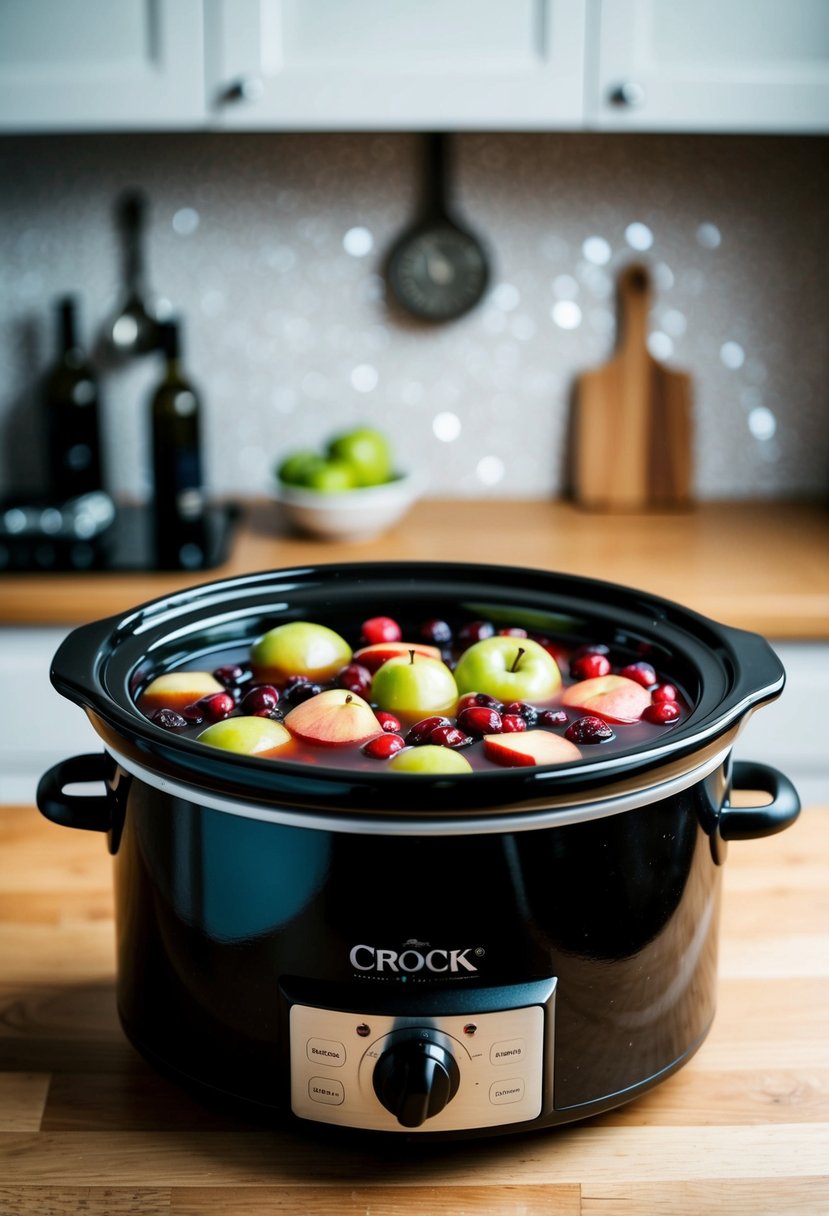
x,y
271,247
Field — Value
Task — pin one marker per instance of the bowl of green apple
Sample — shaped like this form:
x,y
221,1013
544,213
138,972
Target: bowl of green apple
x,y
350,490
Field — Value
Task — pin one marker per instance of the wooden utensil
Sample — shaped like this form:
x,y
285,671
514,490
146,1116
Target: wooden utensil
x,y
632,434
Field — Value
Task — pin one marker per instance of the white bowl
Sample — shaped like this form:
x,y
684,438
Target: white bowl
x,y
352,515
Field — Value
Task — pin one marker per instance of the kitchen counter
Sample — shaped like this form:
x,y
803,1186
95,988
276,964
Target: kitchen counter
x,y
762,566
87,1126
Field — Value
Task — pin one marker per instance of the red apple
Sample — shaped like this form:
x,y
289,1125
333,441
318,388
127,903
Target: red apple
x,y
333,718
615,698
530,747
378,653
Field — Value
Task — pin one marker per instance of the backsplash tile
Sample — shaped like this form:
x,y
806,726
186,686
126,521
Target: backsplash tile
x,y
271,247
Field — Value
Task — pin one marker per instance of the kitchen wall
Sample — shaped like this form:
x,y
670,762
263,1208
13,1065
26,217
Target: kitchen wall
x,y
271,246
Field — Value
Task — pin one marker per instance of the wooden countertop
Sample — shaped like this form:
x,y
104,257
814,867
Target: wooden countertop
x,y
762,566
87,1127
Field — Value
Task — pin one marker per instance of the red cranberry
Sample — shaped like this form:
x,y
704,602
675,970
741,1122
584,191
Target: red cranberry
x,y
260,701
436,632
449,736
642,673
662,712
383,746
193,714
381,629
479,698
528,712
591,648
388,721
664,692
355,678
587,666
216,706
301,690
513,723
479,720
588,729
169,719
514,631
420,732
230,674
552,717
475,631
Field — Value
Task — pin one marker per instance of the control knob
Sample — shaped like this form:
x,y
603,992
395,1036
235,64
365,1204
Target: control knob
x,y
415,1079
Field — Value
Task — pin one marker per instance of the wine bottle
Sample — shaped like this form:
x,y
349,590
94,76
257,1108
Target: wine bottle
x,y
177,468
72,413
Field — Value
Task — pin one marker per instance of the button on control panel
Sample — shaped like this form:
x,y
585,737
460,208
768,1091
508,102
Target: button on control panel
x,y
501,1060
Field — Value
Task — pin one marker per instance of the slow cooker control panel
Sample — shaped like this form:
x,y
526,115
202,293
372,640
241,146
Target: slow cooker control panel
x,y
417,1073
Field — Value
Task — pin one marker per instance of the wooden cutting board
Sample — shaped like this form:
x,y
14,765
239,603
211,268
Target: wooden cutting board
x,y
632,433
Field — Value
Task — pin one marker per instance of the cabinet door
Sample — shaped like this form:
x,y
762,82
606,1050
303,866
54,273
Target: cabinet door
x,y
710,65
97,65
395,64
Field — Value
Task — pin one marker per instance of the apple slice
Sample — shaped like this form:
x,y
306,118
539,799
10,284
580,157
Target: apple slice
x,y
429,759
252,736
530,747
378,653
176,689
616,698
333,718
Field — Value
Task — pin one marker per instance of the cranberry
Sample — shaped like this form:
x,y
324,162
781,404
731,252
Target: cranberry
x,y
231,674
388,721
355,678
587,666
381,629
169,719
513,723
591,648
552,717
193,714
642,673
475,631
664,692
301,690
383,746
588,729
259,701
479,698
662,712
436,632
514,631
420,732
480,720
528,712
216,706
449,736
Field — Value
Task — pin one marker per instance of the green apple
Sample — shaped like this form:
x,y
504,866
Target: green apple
x,y
334,718
296,468
511,669
331,477
250,736
429,758
175,689
298,648
367,451
413,685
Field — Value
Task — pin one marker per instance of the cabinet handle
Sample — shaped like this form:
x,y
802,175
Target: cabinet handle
x,y
628,95
245,89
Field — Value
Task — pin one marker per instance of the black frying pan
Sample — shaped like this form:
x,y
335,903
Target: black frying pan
x,y
437,270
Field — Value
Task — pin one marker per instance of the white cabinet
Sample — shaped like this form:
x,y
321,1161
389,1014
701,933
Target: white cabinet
x,y
88,65
396,64
710,65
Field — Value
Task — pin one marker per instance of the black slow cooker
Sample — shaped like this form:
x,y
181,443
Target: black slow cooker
x,y
430,955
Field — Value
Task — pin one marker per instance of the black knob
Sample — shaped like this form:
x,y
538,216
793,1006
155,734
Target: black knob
x,y
415,1079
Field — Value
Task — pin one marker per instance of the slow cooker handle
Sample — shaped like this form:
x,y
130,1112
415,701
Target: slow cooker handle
x,y
751,822
92,812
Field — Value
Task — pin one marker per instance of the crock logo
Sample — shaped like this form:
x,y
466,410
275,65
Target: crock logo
x,y
414,956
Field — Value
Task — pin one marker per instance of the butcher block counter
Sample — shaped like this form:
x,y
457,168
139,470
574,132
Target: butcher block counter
x,y
762,566
87,1127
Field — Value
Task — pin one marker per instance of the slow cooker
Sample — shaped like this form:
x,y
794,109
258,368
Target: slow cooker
x,y
424,955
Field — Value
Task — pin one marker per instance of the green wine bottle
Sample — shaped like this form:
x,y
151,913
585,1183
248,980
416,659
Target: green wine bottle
x,y
179,509
72,413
